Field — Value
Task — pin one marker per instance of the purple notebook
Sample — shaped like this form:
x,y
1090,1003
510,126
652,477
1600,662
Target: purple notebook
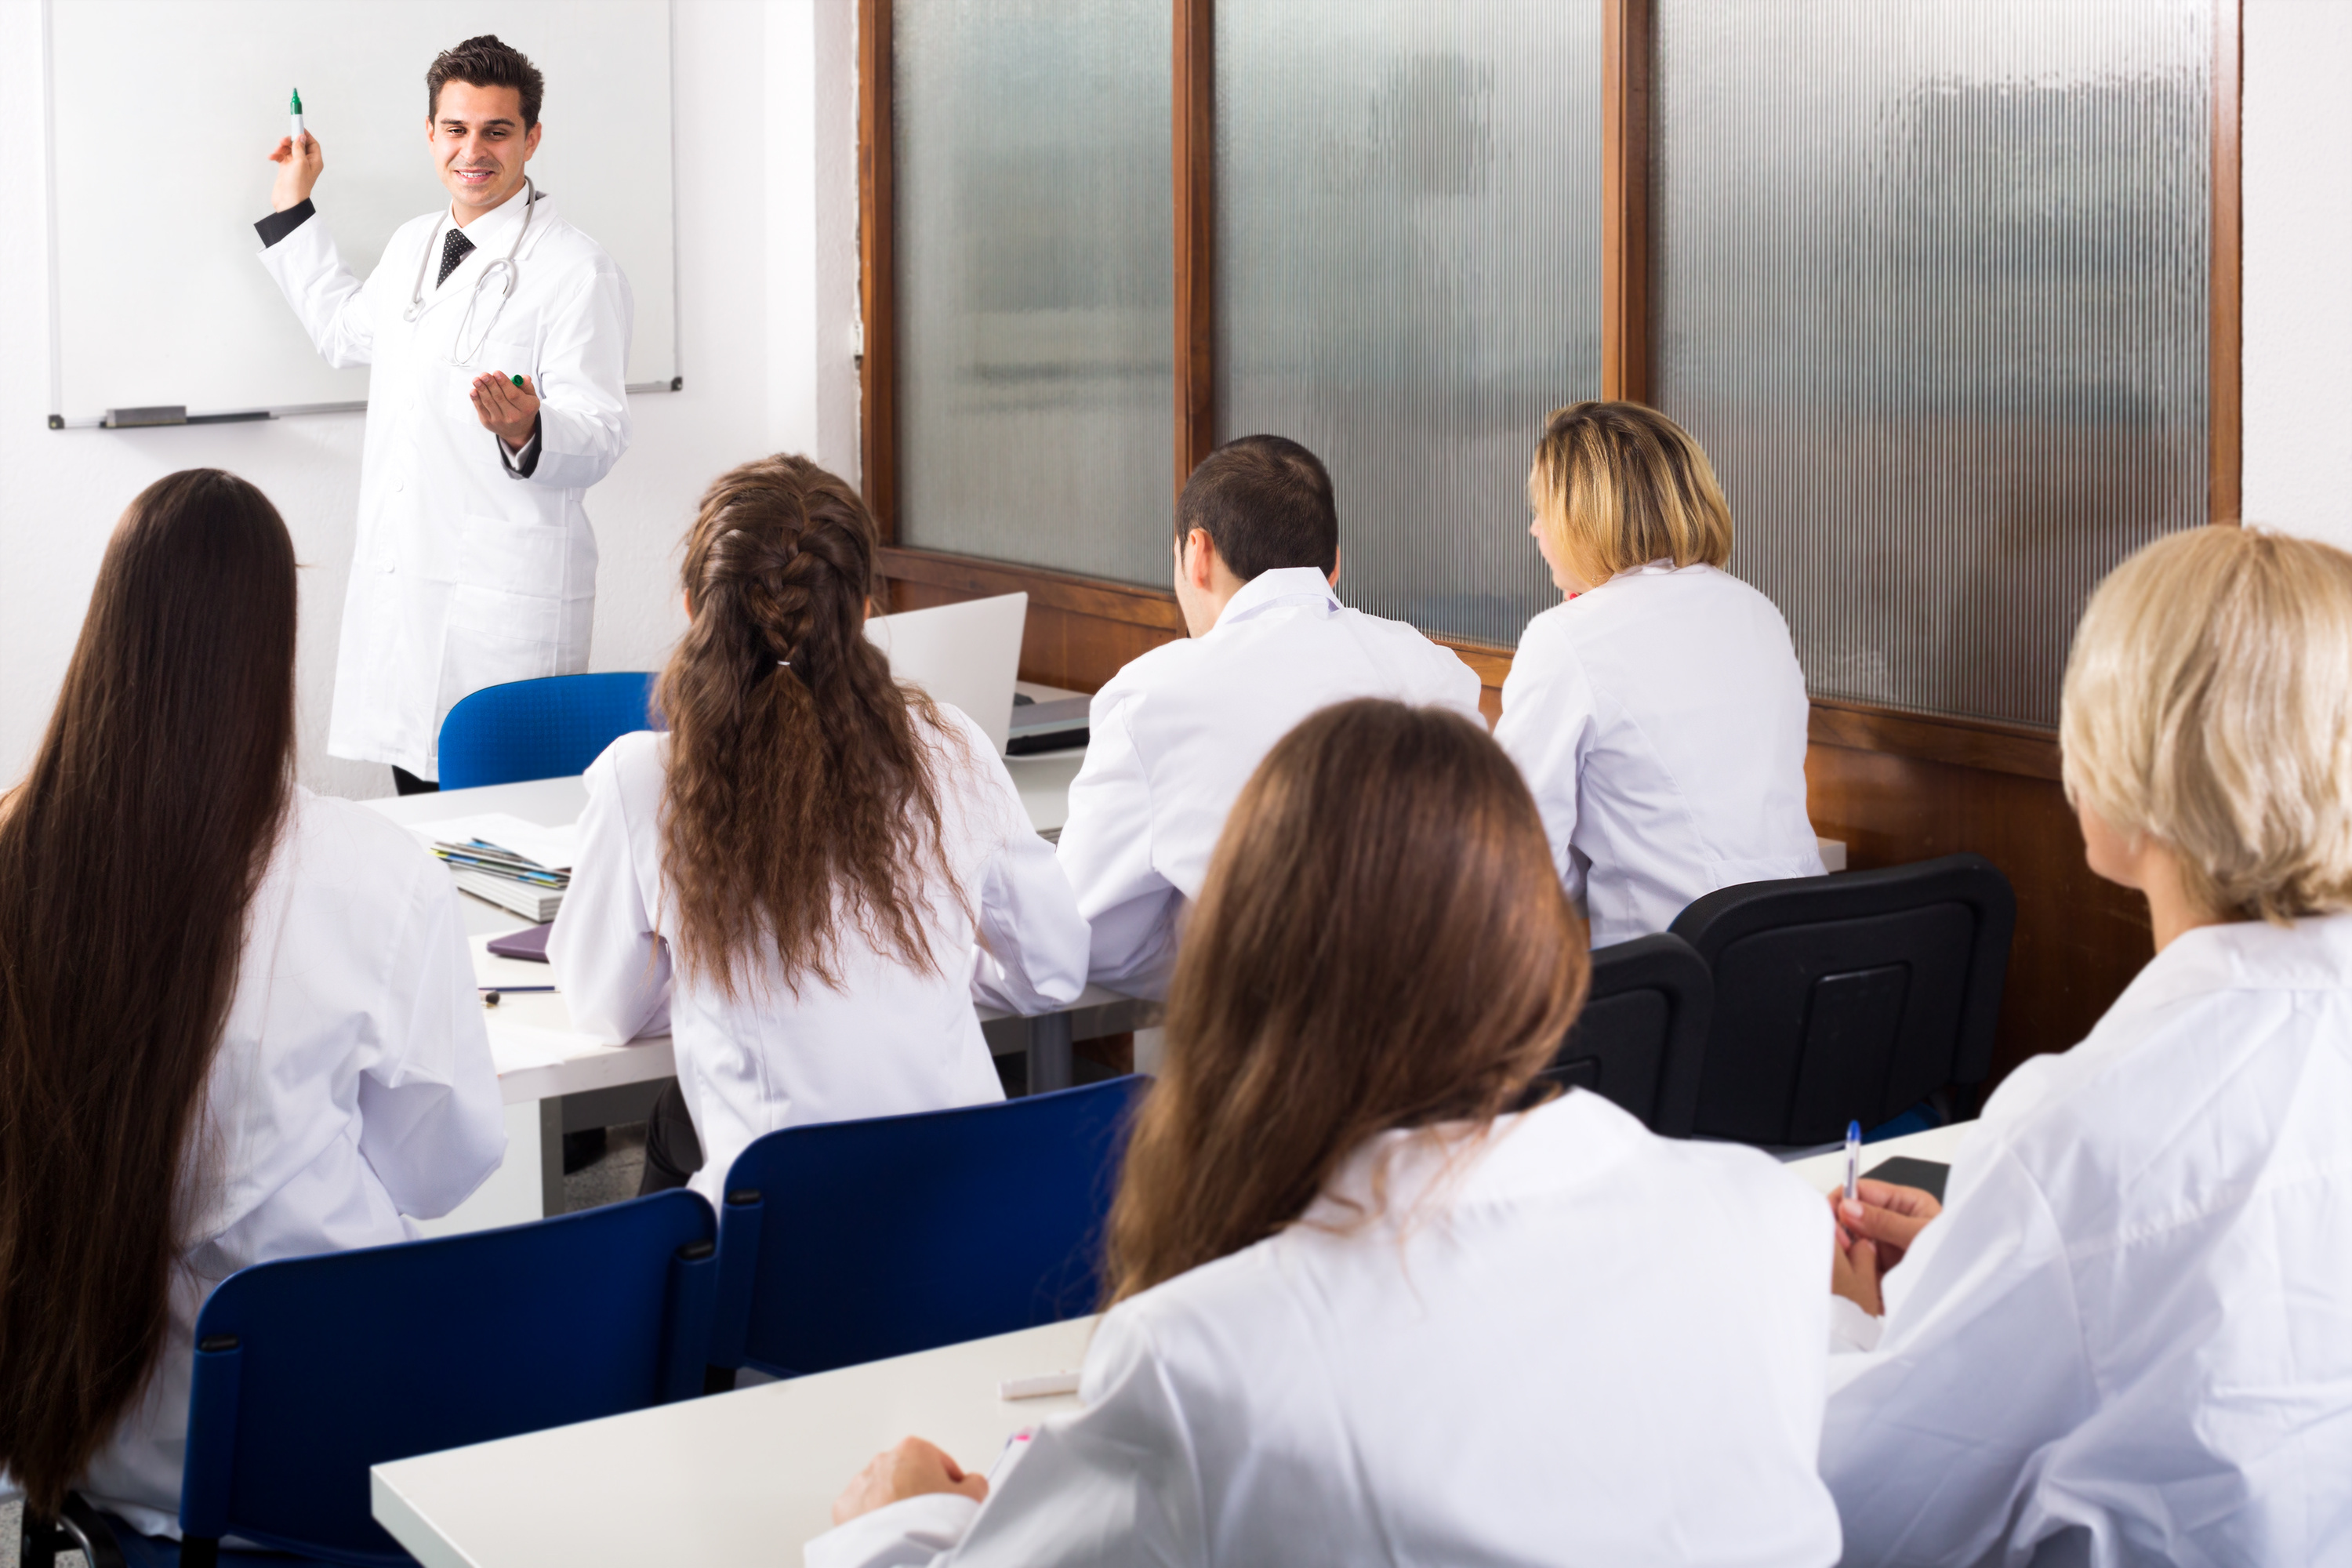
x,y
530,944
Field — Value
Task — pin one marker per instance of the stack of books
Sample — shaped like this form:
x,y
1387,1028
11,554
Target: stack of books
x,y
509,880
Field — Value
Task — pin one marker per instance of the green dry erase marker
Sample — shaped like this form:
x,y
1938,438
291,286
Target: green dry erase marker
x,y
294,115
517,380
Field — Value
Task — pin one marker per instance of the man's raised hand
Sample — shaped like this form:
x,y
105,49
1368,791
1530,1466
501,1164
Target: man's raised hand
x,y
298,171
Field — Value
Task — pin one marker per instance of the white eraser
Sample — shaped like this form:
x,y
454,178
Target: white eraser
x,y
1044,1387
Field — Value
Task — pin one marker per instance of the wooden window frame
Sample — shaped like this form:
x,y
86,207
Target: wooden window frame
x,y
1629,52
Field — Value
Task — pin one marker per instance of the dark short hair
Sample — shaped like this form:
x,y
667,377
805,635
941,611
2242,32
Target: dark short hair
x,y
1265,502
485,62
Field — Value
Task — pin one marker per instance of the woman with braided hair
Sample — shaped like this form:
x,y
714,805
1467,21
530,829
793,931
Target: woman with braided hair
x,y
811,876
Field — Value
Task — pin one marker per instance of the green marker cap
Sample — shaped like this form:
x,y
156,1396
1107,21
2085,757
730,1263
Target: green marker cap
x,y
517,380
297,106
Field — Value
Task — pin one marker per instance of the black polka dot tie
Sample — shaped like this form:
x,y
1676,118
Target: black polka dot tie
x,y
454,249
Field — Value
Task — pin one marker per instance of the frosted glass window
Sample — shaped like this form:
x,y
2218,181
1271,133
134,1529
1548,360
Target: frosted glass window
x,y
1408,266
1932,287
1035,282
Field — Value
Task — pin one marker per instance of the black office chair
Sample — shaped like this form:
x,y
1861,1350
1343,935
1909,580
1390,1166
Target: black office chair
x,y
1847,998
1643,1033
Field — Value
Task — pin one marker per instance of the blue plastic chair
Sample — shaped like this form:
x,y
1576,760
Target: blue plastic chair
x,y
852,1241
544,729
311,1370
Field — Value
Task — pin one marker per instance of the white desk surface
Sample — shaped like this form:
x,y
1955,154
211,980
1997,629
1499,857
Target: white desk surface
x,y
743,1478
746,1478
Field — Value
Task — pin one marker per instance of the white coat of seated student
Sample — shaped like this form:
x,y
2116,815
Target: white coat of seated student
x,y
2126,1336
1175,734
1659,714
813,873
1365,1309
238,1021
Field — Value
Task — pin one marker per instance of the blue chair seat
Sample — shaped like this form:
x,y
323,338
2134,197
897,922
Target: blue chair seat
x,y
546,728
311,1370
852,1241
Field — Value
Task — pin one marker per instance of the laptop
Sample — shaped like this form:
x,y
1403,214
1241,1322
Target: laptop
x,y
967,654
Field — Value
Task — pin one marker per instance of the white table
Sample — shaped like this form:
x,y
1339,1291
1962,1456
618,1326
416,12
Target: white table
x,y
749,1477
553,1078
740,1477
746,1478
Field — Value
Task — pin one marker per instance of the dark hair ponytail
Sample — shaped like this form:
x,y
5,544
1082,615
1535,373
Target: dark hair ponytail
x,y
128,857
799,786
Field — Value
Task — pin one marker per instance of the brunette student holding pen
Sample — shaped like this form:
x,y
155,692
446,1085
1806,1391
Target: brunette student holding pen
x,y
497,336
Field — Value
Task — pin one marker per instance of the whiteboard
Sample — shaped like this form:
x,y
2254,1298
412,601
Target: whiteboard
x,y
161,115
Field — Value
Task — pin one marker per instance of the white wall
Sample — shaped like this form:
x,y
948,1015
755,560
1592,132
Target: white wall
x,y
765,139
2298,266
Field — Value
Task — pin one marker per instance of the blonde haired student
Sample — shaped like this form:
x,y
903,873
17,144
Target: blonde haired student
x,y
1367,1309
814,872
2126,1336
1659,714
237,1020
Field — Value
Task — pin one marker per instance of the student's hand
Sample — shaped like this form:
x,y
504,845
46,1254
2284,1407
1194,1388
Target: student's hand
x,y
1890,1216
505,409
298,171
913,1468
1854,1274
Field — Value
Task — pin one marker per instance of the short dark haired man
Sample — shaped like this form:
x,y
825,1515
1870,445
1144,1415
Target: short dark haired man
x,y
497,336
1178,732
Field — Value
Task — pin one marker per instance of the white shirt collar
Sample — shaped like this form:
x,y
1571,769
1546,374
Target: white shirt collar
x,y
492,234
1282,587
2312,954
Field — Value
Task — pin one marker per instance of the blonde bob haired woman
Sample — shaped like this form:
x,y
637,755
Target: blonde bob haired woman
x,y
816,870
2128,1337
1365,1312
1659,714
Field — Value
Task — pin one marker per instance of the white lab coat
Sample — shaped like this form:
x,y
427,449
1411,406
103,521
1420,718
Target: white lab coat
x,y
352,1086
465,576
2129,1333
1592,1345
1661,721
891,1039
1176,733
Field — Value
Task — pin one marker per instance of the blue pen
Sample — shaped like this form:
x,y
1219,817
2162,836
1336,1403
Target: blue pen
x,y
1853,1156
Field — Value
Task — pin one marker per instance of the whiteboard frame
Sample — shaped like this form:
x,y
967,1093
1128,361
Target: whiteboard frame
x,y
59,420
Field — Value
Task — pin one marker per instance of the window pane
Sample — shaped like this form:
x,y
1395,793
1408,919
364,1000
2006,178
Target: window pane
x,y
1932,287
1035,282
1409,274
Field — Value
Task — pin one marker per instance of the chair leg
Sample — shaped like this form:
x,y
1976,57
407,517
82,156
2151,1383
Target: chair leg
x,y
37,1546
94,1533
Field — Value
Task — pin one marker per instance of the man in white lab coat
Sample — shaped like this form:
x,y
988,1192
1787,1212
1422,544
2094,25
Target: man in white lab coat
x,y
499,336
1176,733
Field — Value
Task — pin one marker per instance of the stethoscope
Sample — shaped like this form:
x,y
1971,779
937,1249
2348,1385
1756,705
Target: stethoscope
x,y
503,270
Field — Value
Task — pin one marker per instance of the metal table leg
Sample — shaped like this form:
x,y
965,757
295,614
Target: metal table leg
x,y
1049,1053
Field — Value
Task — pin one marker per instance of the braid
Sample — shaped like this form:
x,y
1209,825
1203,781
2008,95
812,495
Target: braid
x,y
793,796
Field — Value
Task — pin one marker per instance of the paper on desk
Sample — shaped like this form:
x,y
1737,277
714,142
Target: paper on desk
x,y
553,848
516,1047
491,970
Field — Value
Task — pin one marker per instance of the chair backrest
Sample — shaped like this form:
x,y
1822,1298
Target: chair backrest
x,y
1848,997
546,728
1642,1036
311,1370
851,1241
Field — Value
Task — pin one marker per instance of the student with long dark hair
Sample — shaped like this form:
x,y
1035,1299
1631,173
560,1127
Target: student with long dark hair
x,y
1366,1313
815,871
238,1021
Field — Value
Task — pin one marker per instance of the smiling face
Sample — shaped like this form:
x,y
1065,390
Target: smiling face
x,y
480,146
